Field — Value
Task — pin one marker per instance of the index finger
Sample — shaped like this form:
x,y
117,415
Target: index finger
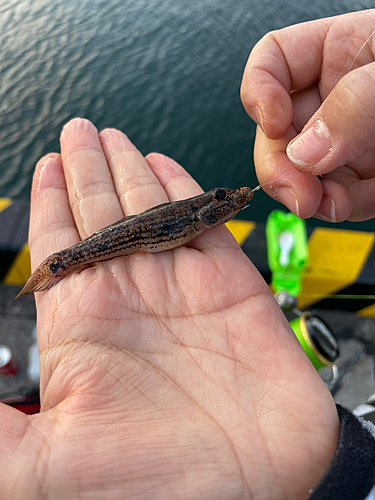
x,y
283,61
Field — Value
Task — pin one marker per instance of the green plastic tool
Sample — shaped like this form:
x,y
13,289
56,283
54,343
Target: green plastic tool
x,y
287,256
286,250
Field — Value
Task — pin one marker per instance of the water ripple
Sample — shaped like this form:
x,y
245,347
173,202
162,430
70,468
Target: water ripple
x,y
165,71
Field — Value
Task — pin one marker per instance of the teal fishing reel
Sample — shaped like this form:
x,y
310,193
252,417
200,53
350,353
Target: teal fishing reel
x,y
287,254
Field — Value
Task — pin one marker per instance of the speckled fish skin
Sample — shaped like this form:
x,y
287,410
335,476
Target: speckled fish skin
x,y
160,228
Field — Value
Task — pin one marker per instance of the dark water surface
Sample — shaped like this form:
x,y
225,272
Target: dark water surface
x,y
166,72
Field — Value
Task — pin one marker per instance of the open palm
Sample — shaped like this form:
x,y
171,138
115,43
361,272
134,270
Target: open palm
x,y
170,375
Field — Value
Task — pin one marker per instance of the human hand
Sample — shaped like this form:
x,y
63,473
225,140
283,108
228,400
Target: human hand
x,y
318,78
170,375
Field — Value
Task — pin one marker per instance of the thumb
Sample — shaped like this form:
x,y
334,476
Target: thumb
x,y
21,446
342,129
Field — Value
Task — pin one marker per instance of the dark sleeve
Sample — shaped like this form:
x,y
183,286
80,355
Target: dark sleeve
x,y
351,474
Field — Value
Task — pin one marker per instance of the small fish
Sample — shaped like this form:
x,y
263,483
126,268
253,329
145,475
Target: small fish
x,y
160,228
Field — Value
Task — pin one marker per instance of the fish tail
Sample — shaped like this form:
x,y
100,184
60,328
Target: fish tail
x,y
45,276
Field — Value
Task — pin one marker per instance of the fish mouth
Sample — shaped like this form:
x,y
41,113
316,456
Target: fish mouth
x,y
244,194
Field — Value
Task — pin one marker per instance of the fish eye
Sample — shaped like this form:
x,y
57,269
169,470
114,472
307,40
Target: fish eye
x,y
220,194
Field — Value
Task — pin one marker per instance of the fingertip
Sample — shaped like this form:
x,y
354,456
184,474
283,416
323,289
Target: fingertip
x,y
114,140
160,163
336,204
48,171
300,196
341,130
288,198
79,134
176,181
269,106
307,149
300,193
277,114
51,175
78,125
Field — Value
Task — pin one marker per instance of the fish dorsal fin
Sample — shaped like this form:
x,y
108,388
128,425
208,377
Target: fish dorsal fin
x,y
128,217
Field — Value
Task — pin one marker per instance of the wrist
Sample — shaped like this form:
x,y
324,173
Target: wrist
x,y
314,450
355,453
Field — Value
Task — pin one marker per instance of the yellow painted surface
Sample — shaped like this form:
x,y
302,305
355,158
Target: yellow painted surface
x,y
336,257
367,311
20,270
4,203
240,229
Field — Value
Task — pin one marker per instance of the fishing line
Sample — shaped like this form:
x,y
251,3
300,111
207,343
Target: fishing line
x,y
336,296
357,55
360,50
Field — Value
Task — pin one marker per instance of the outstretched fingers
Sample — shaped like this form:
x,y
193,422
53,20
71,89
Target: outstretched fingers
x,y
98,179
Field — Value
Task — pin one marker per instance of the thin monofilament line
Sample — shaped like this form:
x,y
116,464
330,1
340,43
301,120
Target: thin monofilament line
x,y
268,183
360,50
356,56
336,296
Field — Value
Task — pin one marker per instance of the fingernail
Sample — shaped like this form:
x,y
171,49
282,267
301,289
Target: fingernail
x,y
77,125
256,112
50,175
311,146
286,196
327,210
